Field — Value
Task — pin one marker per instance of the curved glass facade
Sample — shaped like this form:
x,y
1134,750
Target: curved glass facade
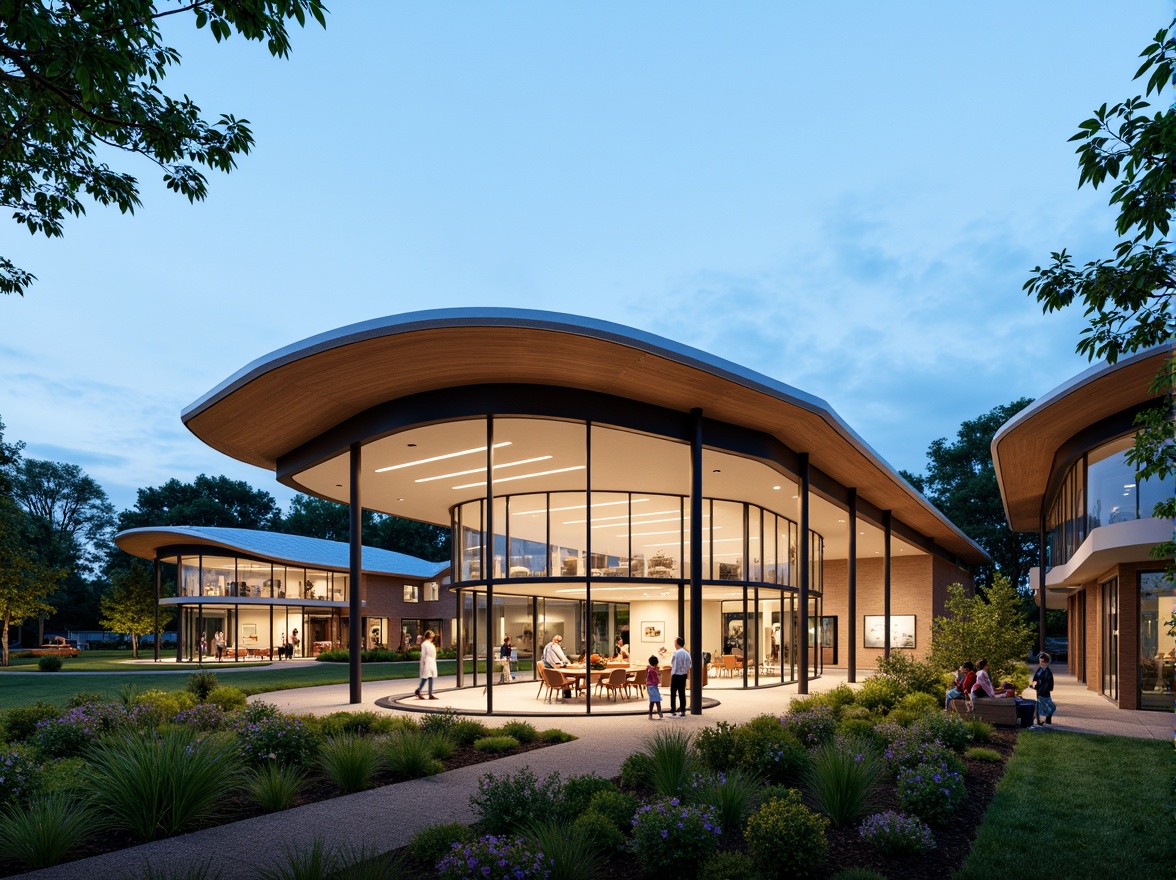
x,y
257,605
1099,489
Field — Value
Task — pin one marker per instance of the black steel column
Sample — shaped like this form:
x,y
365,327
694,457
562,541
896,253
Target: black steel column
x,y
694,639
886,529
588,631
355,599
1041,587
158,577
458,599
488,546
851,578
802,646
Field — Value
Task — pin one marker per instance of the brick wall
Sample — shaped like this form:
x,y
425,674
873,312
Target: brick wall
x,y
918,585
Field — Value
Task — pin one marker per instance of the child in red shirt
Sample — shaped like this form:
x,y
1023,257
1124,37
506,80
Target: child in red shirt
x,y
653,687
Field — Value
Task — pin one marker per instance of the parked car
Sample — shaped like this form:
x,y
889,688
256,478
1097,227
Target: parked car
x,y
1056,646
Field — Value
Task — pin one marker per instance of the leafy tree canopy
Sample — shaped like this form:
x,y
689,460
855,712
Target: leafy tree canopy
x,y
961,482
206,501
83,78
991,627
1128,297
25,583
129,607
318,518
69,517
9,456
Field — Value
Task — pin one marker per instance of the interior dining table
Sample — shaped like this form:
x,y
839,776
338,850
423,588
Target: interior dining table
x,y
574,677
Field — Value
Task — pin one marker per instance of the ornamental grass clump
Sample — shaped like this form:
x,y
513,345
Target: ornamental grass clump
x,y
20,775
264,734
507,804
350,761
811,726
276,787
201,684
495,744
411,754
671,761
157,784
787,839
44,831
523,731
931,791
495,858
894,834
572,852
731,795
674,838
842,778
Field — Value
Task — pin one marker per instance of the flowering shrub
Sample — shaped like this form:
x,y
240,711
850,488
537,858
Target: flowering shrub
x,y
908,752
894,834
506,804
154,707
932,791
74,732
19,774
494,858
765,748
671,837
811,726
264,736
202,716
951,730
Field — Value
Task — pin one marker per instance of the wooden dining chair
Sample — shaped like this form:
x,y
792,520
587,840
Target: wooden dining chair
x,y
542,679
617,681
730,664
636,680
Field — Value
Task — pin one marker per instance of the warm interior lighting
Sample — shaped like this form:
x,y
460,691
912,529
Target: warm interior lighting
x,y
577,467
396,467
578,506
479,470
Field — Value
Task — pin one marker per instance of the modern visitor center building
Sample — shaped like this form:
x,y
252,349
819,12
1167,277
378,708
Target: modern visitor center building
x,y
602,482
1063,473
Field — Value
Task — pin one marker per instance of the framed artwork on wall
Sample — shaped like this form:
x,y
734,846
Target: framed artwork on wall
x,y
902,631
651,630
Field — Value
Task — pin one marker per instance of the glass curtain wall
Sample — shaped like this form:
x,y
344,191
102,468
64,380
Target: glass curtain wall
x,y
1157,645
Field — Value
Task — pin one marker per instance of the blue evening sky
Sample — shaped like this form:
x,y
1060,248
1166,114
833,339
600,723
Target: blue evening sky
x,y
845,196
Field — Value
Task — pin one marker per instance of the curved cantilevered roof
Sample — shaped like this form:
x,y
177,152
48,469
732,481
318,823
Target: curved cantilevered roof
x,y
1024,448
291,396
277,547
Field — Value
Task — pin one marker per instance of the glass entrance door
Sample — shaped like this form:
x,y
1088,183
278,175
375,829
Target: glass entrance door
x,y
1110,628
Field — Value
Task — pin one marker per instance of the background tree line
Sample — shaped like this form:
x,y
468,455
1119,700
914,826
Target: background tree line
x,y
61,570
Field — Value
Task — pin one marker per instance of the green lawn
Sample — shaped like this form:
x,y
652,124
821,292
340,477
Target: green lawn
x,y
53,687
1080,807
100,661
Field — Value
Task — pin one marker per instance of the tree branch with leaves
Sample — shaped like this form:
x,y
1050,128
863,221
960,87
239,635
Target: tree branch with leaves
x,y
78,76
1128,298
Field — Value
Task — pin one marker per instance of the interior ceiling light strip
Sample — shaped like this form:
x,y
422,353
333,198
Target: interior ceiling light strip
x,y
480,470
576,467
577,506
396,467
576,522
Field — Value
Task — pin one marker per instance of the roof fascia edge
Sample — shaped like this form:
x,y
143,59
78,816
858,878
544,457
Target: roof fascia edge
x,y
562,323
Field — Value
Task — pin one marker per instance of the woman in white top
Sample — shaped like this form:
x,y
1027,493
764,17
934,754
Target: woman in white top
x,y
428,665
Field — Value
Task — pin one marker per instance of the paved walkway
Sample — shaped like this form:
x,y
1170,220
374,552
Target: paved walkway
x,y
386,818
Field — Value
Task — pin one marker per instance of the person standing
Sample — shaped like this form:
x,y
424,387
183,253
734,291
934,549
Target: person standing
x,y
653,687
203,645
293,648
679,670
504,655
553,654
428,665
1043,683
219,642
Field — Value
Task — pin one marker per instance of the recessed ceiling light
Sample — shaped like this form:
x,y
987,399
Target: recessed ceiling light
x,y
399,499
777,488
396,467
841,520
